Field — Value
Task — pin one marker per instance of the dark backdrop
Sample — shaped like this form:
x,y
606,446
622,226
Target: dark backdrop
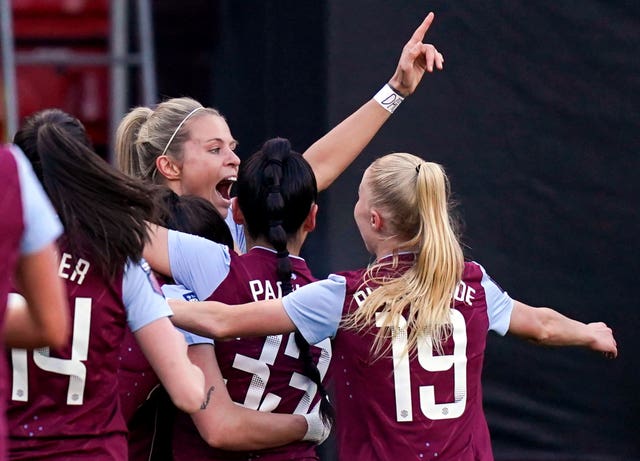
x,y
536,118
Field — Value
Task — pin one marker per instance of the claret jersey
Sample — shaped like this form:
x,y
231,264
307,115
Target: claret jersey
x,y
422,406
263,373
28,224
64,403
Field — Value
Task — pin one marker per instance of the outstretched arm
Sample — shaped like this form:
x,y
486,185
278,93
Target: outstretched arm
x,y
548,327
223,424
221,321
333,153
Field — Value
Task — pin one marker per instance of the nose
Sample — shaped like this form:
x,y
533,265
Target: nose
x,y
232,158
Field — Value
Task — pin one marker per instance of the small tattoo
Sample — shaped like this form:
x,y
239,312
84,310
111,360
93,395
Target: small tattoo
x,y
206,402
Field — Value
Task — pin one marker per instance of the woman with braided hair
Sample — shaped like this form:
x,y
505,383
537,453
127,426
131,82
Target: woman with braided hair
x,y
277,204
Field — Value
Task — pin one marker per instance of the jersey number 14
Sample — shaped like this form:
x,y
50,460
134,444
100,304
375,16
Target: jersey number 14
x,y
73,367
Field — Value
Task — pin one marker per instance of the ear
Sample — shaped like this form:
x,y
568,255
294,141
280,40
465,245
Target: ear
x,y
168,168
377,221
310,222
238,217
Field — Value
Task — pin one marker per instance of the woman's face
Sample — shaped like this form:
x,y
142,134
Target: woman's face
x,y
209,163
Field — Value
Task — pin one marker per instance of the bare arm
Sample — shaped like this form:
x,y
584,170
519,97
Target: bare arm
x,y
225,425
218,320
156,250
548,327
43,320
166,350
334,152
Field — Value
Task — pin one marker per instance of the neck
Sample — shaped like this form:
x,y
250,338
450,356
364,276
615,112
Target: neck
x,y
385,247
294,244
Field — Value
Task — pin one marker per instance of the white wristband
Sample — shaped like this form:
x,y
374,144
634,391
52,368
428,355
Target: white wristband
x,y
317,432
388,98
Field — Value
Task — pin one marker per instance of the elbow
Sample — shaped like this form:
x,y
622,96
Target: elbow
x,y
191,396
543,332
189,402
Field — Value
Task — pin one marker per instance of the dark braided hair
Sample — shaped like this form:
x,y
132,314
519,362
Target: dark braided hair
x,y
276,190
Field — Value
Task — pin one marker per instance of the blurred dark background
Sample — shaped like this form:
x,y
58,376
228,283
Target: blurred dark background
x,y
537,120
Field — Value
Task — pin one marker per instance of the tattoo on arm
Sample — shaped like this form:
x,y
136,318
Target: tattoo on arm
x,y
206,401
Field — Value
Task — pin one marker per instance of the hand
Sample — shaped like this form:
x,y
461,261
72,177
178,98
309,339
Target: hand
x,y
603,340
416,58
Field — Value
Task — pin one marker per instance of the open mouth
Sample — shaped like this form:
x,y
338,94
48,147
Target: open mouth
x,y
223,188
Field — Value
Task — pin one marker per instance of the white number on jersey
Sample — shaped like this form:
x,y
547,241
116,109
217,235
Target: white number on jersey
x,y
73,367
256,398
426,359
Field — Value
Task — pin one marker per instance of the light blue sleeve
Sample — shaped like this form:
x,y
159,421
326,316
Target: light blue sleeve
x,y
182,293
41,223
499,304
197,263
316,309
142,297
237,232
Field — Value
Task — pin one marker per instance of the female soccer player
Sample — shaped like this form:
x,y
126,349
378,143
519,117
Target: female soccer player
x,y
64,401
190,148
408,356
276,202
28,262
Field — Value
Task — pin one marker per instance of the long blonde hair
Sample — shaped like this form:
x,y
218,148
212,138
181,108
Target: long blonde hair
x,y
413,195
144,134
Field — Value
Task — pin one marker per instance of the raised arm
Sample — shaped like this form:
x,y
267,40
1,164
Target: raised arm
x,y
226,425
548,327
333,153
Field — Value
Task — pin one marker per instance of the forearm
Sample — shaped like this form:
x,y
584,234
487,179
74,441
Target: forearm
x,y
548,327
242,429
218,320
41,317
226,425
335,151
559,330
20,329
166,351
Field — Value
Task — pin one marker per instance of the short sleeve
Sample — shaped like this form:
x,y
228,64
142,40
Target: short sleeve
x,y
42,225
184,294
499,304
142,297
197,263
316,309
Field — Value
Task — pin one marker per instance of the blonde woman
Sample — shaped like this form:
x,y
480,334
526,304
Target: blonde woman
x,y
407,359
190,148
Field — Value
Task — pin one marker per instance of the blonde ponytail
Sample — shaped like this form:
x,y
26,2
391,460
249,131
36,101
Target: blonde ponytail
x,y
415,198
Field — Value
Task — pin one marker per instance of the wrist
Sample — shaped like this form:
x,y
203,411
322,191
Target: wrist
x,y
388,98
398,87
317,431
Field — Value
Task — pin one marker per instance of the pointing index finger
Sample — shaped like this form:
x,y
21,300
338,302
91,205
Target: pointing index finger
x,y
420,32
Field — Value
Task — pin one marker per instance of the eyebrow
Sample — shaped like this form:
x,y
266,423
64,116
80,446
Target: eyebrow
x,y
221,140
